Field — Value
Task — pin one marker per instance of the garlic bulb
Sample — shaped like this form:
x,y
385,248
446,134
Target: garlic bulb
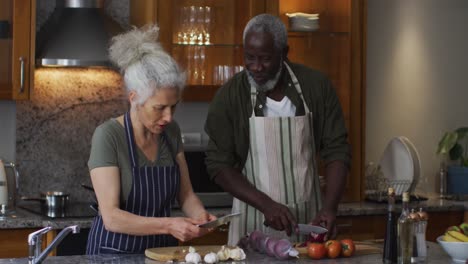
x,y
237,254
211,258
192,256
223,254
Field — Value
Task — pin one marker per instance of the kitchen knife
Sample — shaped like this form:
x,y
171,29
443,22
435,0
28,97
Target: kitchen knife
x,y
307,229
220,221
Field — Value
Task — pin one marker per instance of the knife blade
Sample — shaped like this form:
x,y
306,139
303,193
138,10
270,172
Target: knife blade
x,y
307,229
220,221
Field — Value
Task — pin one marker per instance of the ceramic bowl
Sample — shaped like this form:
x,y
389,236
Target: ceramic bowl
x,y
458,251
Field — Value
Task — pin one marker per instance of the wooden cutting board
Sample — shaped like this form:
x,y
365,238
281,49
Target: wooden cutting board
x,y
178,253
362,248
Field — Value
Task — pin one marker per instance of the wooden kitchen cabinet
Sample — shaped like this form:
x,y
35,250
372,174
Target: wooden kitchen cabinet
x,y
14,242
17,49
371,227
439,222
204,36
336,48
361,227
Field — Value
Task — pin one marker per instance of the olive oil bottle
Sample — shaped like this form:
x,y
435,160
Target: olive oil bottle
x,y
390,241
405,233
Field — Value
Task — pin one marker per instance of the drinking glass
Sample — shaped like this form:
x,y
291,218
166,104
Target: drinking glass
x,y
207,25
192,25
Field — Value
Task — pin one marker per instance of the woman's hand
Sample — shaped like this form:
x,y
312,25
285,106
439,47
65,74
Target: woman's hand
x,y
185,229
206,217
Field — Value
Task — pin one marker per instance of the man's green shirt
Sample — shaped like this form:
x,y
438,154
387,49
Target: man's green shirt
x,y
227,123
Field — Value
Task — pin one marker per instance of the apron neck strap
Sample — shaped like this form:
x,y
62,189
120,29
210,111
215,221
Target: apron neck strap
x,y
132,151
297,86
253,91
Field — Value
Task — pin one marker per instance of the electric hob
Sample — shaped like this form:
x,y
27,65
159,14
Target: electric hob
x,y
73,210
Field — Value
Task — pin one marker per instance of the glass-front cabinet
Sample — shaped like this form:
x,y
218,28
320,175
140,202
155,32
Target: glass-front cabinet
x,y
205,37
16,48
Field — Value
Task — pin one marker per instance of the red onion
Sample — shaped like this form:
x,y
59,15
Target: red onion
x,y
270,246
262,244
244,242
253,237
284,250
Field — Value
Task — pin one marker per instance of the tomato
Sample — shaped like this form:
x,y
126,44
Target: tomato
x,y
316,250
333,248
347,247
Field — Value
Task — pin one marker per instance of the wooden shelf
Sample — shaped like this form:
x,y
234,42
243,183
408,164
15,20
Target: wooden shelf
x,y
200,93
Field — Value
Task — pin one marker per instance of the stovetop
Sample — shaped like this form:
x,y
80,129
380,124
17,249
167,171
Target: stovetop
x,y
73,210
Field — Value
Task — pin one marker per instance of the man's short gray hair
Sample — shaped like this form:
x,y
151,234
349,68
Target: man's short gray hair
x,y
145,65
269,24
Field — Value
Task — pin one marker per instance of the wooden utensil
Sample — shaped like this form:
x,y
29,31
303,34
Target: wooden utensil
x,y
178,253
362,248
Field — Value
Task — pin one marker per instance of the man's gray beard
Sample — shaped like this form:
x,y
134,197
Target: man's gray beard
x,y
269,85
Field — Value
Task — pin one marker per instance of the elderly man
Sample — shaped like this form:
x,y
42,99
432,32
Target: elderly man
x,y
265,127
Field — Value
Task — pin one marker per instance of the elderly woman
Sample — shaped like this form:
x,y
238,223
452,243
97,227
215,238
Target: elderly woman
x,y
137,163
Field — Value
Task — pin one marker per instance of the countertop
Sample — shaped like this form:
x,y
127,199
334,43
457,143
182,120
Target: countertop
x,y
436,255
26,219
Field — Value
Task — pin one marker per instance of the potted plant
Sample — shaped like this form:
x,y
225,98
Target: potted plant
x,y
454,145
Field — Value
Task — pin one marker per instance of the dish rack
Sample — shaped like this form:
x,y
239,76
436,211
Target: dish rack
x,y
377,186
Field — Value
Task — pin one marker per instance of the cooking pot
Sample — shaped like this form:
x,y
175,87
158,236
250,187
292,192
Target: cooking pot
x,y
52,199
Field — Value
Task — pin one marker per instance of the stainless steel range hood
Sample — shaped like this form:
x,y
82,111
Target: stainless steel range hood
x,y
77,34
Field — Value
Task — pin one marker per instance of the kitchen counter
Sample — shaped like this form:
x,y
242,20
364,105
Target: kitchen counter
x,y
436,255
26,219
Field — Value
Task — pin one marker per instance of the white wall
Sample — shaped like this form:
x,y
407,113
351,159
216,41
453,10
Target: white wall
x,y
7,130
417,61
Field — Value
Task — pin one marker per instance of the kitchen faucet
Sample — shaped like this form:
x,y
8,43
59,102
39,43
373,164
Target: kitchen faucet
x,y
35,242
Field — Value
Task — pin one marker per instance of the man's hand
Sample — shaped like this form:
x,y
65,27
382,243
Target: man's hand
x,y
327,219
278,216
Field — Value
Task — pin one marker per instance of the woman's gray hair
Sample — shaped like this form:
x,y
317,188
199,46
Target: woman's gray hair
x,y
145,65
269,24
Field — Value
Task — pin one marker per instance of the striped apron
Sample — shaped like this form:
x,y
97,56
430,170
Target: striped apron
x,y
152,194
280,163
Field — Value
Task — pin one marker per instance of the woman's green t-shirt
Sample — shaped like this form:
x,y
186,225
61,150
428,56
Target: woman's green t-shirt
x,y
109,149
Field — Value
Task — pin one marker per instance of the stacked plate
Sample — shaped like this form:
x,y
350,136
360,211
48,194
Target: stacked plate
x,y
302,21
400,165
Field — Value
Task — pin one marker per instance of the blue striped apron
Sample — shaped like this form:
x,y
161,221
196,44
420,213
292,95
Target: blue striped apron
x,y
152,194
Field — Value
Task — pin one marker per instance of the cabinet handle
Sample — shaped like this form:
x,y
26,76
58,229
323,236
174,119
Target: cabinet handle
x,y
21,75
344,225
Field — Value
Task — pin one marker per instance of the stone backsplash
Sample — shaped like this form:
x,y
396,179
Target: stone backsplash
x,y
55,127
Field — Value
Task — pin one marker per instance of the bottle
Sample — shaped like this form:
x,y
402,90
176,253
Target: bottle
x,y
421,236
443,181
416,231
390,241
3,185
405,233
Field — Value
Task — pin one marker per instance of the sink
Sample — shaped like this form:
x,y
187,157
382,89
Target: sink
x,y
12,215
8,214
